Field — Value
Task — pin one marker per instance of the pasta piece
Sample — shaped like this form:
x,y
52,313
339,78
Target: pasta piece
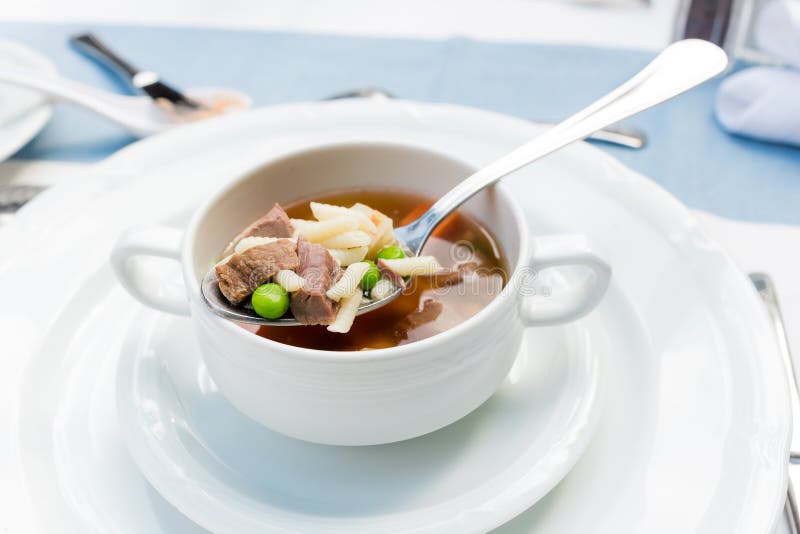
x,y
382,289
324,212
350,281
384,238
347,256
289,280
384,232
347,314
362,208
414,266
318,231
252,241
357,238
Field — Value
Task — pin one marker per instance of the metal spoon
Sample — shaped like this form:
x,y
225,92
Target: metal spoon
x,y
616,134
678,68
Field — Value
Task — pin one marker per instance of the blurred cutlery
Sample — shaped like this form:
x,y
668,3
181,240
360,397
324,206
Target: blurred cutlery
x,y
143,80
13,197
766,289
375,93
618,135
140,115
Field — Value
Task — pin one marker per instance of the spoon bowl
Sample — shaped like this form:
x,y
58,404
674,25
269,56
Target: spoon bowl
x,y
245,314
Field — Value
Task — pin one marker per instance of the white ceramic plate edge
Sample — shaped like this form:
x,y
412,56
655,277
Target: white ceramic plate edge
x,y
26,126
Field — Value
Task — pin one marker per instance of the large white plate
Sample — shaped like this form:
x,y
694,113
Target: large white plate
x,y
23,113
695,430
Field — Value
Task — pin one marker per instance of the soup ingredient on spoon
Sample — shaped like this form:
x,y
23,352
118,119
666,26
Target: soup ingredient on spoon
x,y
416,266
347,256
391,252
242,273
319,269
289,280
347,314
350,281
311,305
387,274
384,233
383,288
275,223
370,277
270,301
324,212
319,231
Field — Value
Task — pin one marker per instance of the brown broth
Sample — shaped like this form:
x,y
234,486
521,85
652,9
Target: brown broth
x,y
424,309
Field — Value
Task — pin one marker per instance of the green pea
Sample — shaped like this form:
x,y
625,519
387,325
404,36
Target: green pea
x,y
370,277
391,252
270,301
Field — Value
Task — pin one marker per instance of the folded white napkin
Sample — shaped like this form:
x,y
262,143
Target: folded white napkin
x,y
764,102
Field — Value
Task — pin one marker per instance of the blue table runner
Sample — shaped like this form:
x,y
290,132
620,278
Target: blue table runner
x,y
688,153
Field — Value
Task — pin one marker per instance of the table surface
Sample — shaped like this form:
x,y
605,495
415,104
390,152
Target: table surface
x,y
688,153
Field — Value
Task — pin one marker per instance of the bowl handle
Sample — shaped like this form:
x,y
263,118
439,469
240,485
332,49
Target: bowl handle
x,y
142,284
539,309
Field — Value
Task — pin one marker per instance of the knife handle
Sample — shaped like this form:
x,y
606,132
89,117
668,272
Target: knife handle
x,y
93,47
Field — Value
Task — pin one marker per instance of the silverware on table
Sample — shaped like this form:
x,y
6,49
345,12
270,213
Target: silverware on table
x,y
617,135
766,289
143,80
13,197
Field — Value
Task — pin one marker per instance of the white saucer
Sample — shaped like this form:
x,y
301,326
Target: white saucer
x,y
230,474
23,113
694,429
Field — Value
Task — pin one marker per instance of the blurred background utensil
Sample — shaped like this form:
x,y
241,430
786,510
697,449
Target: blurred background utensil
x,y
617,134
13,197
140,115
143,80
766,290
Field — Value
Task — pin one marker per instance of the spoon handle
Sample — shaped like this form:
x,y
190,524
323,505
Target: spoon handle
x,y
678,68
89,44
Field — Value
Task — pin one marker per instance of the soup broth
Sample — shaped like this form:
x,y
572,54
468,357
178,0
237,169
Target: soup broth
x,y
430,304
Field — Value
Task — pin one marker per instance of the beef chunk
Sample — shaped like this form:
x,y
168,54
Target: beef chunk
x,y
243,273
310,305
427,313
275,223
